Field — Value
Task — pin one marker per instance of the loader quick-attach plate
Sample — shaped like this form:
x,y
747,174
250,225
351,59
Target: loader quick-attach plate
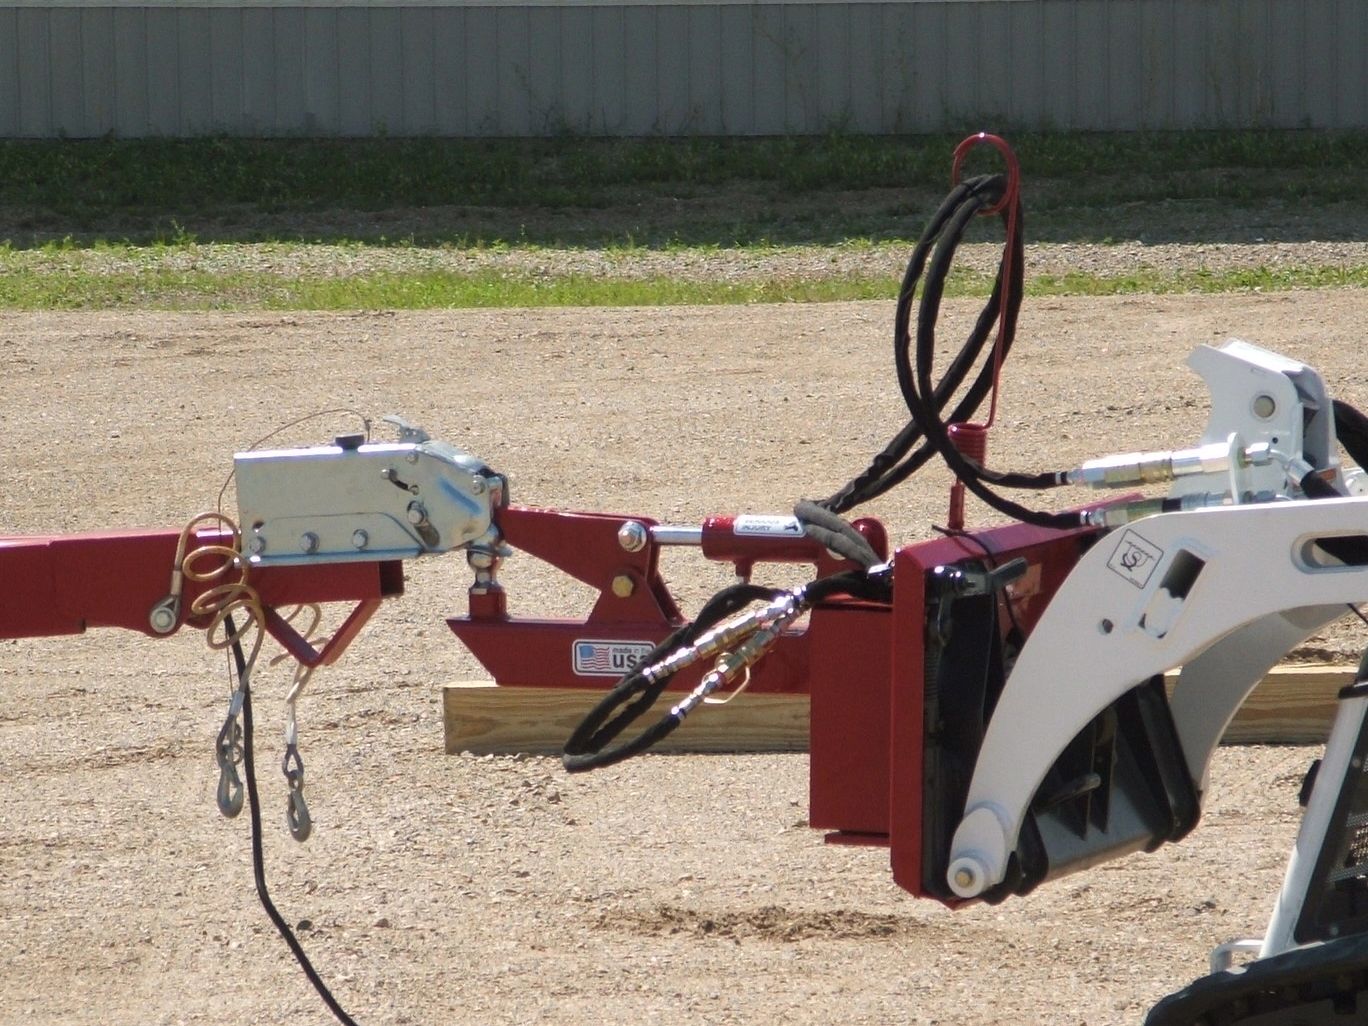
x,y
1121,785
1322,985
892,764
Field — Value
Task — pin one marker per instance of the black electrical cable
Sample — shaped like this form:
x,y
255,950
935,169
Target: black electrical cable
x,y
258,855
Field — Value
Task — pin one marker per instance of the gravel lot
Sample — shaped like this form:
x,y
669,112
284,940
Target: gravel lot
x,y
882,260
497,890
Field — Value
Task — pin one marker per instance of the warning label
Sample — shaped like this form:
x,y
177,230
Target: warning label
x,y
1135,559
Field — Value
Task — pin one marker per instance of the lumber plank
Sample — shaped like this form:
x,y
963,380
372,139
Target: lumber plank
x,y
1292,705
484,719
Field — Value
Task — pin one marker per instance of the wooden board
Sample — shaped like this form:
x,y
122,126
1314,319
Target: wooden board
x,y
1293,705
485,719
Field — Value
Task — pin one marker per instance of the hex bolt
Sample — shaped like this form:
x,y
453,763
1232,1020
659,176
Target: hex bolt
x,y
411,458
257,544
478,485
360,539
308,542
417,513
623,586
632,536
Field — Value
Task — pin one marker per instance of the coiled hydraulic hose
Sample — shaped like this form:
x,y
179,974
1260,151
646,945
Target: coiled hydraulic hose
x,y
933,257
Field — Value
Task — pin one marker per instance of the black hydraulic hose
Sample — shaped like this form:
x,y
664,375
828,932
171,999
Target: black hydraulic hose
x,y
884,470
932,257
587,748
916,380
634,694
836,534
1351,427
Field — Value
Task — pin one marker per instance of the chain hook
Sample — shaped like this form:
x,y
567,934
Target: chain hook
x,y
228,753
297,811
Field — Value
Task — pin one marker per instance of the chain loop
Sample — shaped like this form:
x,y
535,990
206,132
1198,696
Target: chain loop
x,y
297,811
228,754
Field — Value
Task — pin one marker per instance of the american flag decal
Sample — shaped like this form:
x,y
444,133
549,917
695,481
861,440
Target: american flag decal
x,y
591,658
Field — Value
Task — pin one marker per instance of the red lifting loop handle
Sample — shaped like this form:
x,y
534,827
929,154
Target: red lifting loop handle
x,y
1010,202
1009,194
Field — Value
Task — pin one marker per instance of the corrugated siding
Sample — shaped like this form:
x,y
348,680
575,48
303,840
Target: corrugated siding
x,y
733,68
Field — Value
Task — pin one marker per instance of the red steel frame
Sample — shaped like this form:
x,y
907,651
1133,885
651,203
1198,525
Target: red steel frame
x,y
63,584
526,651
861,663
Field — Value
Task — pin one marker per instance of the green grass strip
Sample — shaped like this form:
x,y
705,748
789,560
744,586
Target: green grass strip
x,y
96,178
24,289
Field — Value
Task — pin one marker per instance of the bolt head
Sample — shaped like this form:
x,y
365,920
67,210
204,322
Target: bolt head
x,y
964,878
257,545
632,536
360,539
623,586
478,485
416,513
308,542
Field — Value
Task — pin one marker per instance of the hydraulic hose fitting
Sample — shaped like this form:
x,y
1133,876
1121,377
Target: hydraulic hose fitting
x,y
1142,468
730,664
722,637
1129,512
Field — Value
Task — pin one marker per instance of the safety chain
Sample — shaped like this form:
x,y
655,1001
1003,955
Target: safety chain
x,y
228,755
225,569
292,765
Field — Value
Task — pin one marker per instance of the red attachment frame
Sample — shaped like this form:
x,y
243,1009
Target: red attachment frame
x,y
867,723
863,664
63,584
634,610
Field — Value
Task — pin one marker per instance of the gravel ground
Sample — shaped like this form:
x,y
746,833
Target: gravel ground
x,y
667,890
865,260
808,231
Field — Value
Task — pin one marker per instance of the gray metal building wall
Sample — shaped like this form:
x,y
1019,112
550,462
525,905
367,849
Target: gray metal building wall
x,y
418,67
